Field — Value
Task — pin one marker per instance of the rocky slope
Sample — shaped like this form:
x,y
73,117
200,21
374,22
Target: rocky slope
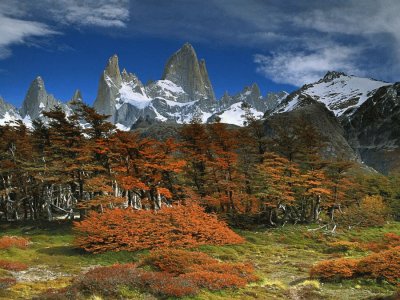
x,y
373,130
368,110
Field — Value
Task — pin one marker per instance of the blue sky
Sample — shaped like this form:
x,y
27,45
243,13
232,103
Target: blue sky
x,y
278,44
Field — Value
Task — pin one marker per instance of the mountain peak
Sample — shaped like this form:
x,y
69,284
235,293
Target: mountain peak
x,y
37,99
112,69
77,96
330,75
184,69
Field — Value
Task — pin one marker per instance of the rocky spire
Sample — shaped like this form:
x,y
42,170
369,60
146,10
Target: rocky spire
x,y
6,108
37,100
77,97
206,80
184,69
108,90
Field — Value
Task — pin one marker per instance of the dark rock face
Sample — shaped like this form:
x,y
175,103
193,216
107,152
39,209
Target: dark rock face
x,y
324,121
374,129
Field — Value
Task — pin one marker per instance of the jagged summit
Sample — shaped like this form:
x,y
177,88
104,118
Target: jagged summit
x,y
342,94
77,96
37,100
330,75
184,69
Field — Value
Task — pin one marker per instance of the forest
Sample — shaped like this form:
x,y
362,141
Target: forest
x,y
212,185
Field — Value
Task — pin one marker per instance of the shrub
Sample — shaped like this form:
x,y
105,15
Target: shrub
x,y
176,261
343,246
7,282
372,211
178,226
7,242
201,269
12,265
383,265
176,273
336,269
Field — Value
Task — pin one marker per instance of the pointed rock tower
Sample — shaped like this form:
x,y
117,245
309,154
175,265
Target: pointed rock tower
x,y
37,100
108,90
184,69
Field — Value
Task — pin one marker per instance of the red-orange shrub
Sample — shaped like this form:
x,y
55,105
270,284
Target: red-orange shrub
x,y
177,226
7,282
383,265
13,241
175,273
335,269
12,265
201,269
213,280
176,261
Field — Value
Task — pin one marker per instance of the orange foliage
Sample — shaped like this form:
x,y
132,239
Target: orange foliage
x,y
7,242
12,265
334,269
7,282
382,265
342,246
196,265
177,273
177,226
372,211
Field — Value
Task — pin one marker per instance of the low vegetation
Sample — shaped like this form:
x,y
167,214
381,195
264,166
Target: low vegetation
x,y
282,259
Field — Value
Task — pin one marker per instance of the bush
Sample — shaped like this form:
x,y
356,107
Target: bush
x,y
7,242
176,273
333,270
178,226
7,282
12,265
176,261
384,265
343,246
372,211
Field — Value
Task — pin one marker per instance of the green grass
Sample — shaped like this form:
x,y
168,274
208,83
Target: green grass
x,y
282,258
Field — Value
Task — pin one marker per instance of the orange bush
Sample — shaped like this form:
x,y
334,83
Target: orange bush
x,y
175,261
343,246
335,269
7,282
177,226
201,269
13,241
383,265
175,273
12,265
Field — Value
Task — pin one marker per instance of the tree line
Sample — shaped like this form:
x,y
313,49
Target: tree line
x,y
74,163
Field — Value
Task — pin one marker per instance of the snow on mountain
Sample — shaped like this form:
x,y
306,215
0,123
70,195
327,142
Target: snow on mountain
x,y
129,95
341,93
235,114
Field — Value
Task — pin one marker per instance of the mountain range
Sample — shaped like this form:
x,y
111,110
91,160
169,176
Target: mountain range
x,y
359,116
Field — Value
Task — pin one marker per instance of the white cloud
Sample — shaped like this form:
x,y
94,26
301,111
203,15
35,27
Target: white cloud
x,y
100,13
298,68
14,31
